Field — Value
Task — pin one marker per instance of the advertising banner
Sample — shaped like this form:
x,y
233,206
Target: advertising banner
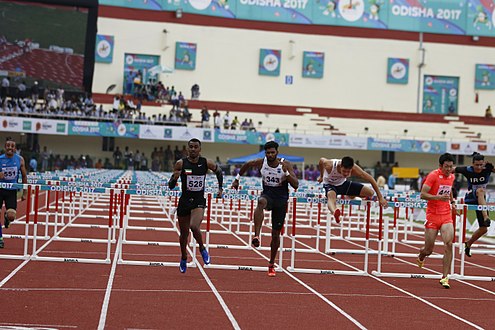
x,y
313,64
432,147
33,125
269,64
110,129
398,71
430,16
467,148
104,48
485,76
185,56
461,17
327,142
136,68
440,94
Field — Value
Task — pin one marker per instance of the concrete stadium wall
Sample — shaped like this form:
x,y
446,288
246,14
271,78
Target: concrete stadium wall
x,y
354,76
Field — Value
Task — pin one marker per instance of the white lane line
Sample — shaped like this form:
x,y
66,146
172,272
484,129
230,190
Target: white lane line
x,y
413,295
106,300
7,325
224,306
319,295
268,293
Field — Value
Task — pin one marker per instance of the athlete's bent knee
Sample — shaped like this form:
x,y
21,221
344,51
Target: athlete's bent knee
x,y
11,214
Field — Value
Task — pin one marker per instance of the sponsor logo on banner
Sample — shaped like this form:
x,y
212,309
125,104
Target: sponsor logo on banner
x,y
61,128
150,132
207,136
167,133
84,128
27,125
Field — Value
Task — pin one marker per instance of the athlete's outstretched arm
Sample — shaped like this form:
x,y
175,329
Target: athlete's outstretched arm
x,y
24,178
175,175
218,172
252,163
358,171
324,164
291,178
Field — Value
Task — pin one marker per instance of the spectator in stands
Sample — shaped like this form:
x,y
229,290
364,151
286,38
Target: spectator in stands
x,y
195,92
44,159
236,170
21,90
217,120
205,117
137,160
391,181
187,115
107,165
169,159
251,126
177,153
144,162
488,112
99,164
296,171
227,120
245,125
33,164
234,124
117,158
35,92
4,87
380,181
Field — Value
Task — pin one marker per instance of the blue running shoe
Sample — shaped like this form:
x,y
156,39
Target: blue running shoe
x,y
1,244
206,257
183,265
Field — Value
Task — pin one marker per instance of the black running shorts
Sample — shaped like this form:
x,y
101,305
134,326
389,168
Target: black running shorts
x,y
278,208
186,205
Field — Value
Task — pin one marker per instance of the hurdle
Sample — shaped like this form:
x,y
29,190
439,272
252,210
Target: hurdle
x,y
462,238
124,226
357,272
35,255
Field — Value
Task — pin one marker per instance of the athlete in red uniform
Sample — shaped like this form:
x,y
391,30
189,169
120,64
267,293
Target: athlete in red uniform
x,y
437,190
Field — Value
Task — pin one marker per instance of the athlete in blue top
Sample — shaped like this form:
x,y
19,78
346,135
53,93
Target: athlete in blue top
x,y
276,174
477,175
10,166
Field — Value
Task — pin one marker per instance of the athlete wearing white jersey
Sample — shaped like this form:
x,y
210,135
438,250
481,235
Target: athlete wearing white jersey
x,y
334,174
277,174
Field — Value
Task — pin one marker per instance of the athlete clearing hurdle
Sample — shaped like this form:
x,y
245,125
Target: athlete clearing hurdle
x,y
276,175
437,190
477,176
192,171
10,164
334,174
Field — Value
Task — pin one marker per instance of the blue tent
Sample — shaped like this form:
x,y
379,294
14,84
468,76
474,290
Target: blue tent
x,y
261,154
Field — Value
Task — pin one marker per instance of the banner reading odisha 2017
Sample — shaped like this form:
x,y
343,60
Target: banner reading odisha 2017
x,y
472,17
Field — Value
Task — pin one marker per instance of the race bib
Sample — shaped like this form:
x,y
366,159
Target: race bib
x,y
444,190
272,181
10,173
195,182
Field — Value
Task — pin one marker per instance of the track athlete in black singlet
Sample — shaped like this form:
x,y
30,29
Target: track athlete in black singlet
x,y
477,175
276,174
192,171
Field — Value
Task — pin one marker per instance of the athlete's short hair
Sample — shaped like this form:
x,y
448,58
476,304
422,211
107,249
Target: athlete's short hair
x,y
446,157
477,156
9,138
194,140
271,144
347,162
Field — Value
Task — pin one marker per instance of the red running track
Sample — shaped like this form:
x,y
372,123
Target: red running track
x,y
115,296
